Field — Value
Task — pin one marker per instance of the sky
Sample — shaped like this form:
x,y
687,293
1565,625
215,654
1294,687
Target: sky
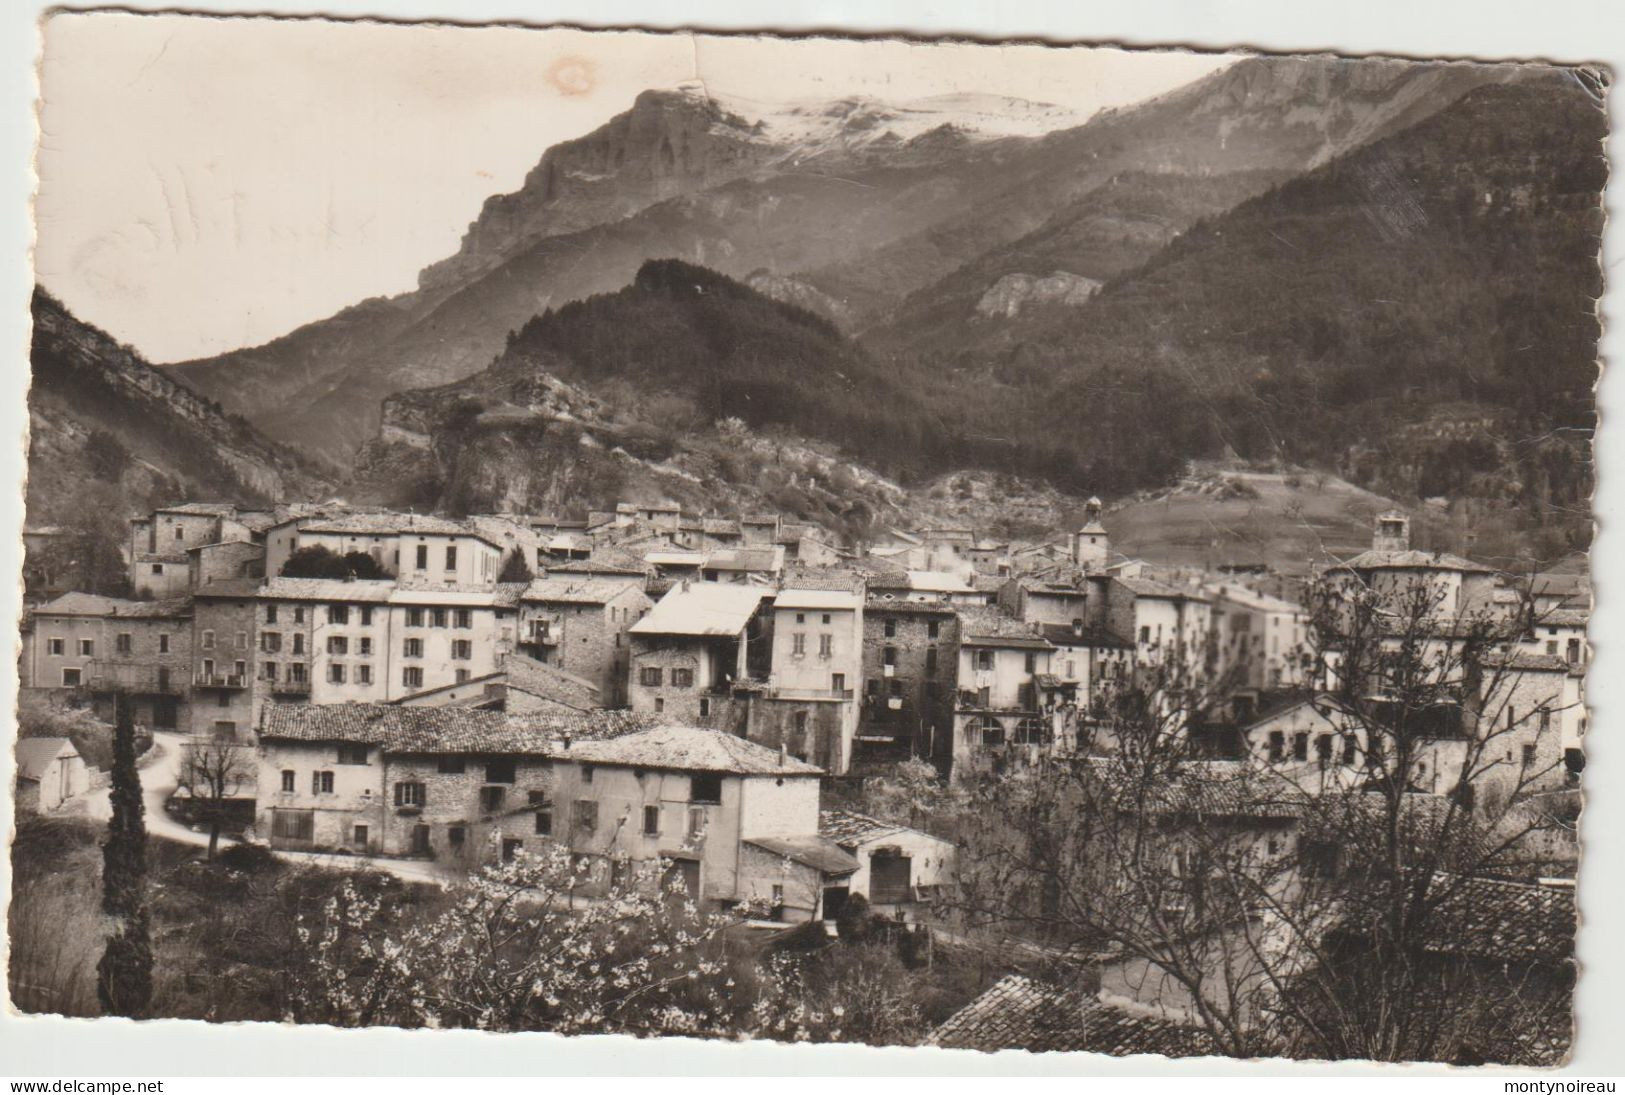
x,y
211,183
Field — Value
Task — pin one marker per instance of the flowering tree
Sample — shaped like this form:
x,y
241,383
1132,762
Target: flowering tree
x,y
516,948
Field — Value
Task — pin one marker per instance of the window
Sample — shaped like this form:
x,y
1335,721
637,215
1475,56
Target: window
x,y
651,821
1145,633
1351,749
463,617
363,646
888,656
207,640
414,617
298,644
321,783
933,628
461,676
705,707
298,614
705,787
798,643
696,821
412,648
649,676
456,835
1032,662
462,649
157,568
682,678
451,556
412,677
439,617
87,647
826,645
1528,756
366,617
335,674
271,641
586,815
896,687
270,614
338,614
1030,731
544,821
450,766
268,671
352,753
1277,745
70,677
409,793
338,644
287,781
500,770
837,683
1323,749
801,617
1300,746
363,674
984,659
826,618
423,557
122,643
660,704
891,629
491,799
587,771
54,647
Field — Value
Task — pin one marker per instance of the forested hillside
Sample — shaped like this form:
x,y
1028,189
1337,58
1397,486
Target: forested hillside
x,y
1418,314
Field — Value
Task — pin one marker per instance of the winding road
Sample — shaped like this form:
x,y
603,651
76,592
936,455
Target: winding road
x,y
160,774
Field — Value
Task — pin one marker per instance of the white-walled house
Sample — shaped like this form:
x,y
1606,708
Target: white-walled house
x,y
900,870
50,771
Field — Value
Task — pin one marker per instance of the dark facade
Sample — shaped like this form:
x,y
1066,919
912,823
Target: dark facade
x,y
910,672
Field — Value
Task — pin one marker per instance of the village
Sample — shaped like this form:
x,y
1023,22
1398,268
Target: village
x,y
714,698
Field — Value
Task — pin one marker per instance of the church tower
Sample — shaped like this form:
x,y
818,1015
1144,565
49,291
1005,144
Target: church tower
x,y
1090,546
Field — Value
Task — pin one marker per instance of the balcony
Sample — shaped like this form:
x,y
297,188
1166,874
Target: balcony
x,y
775,692
225,681
135,679
290,687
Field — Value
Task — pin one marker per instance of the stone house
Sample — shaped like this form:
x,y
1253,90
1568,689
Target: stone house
x,y
1260,642
1008,705
160,543
1038,600
225,561
910,674
1166,623
453,783
103,646
901,871
700,652
580,625
809,706
415,548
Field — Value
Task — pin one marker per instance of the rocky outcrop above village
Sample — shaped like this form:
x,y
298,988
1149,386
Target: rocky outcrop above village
x,y
103,413
1007,297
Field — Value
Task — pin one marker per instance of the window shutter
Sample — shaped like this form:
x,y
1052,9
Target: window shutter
x,y
315,783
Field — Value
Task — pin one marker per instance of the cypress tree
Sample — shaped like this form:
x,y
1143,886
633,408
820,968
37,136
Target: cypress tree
x,y
124,974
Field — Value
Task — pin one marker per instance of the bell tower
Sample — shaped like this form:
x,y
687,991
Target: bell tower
x,y
1091,548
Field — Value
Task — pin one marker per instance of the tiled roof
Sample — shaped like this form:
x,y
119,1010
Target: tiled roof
x,y
689,748
990,627
75,603
1251,598
818,599
1149,587
702,608
765,559
233,588
816,852
1093,636
202,509
579,590
394,524
160,557
1563,617
441,729
850,828
1504,921
360,591
1413,560
595,566
1018,1013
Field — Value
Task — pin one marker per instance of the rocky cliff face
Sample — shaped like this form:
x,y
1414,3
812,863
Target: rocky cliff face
x,y
99,411
1014,292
